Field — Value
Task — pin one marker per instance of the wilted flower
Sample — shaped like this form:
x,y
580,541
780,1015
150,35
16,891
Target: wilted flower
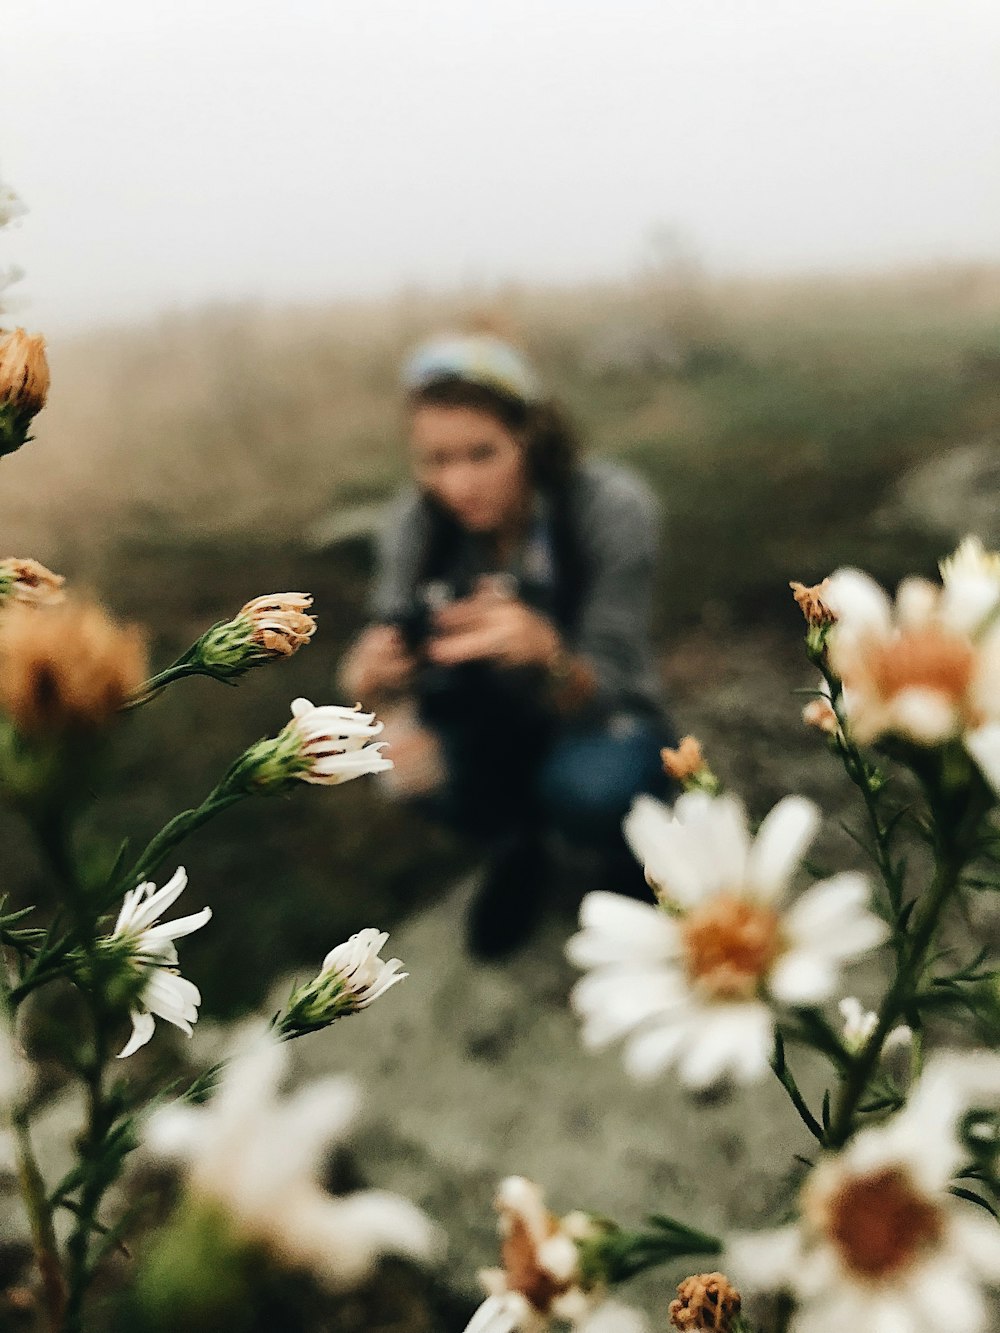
x,y
690,981
882,1242
325,745
24,385
926,669
265,628
148,951
68,667
542,1280
29,582
706,1303
11,206
352,977
256,1157
813,603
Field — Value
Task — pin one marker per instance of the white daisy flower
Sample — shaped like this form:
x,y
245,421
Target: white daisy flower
x,y
335,742
541,1282
690,982
881,1245
971,559
257,1157
352,977
150,952
926,668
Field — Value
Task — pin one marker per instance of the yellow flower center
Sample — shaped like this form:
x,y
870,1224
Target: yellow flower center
x,y
730,944
929,658
879,1223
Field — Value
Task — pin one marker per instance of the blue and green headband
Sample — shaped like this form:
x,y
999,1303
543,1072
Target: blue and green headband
x,y
476,358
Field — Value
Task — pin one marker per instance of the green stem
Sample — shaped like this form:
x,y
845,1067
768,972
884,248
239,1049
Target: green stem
x,y
158,683
180,827
787,1081
900,994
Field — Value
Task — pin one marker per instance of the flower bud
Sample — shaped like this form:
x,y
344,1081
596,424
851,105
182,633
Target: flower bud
x,y
326,746
352,977
24,386
66,668
687,766
265,628
29,582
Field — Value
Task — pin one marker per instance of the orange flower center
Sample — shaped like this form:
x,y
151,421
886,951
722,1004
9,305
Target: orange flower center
x,y
880,1223
729,946
928,658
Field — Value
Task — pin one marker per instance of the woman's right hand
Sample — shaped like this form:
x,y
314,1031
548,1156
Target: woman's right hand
x,y
379,662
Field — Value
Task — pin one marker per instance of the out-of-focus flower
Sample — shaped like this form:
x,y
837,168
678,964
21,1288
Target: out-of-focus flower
x,y
706,1303
325,745
971,560
265,628
11,206
67,668
24,372
860,1023
687,765
29,582
813,603
881,1243
926,669
542,1281
148,953
820,713
256,1157
690,982
352,977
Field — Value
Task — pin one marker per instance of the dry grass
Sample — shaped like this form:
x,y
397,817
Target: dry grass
x,y
250,423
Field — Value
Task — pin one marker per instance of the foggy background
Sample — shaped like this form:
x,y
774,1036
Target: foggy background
x,y
176,153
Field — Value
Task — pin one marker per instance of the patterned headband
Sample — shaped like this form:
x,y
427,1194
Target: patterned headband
x,y
477,358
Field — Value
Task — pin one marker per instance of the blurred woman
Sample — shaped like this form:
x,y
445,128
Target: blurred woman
x,y
510,630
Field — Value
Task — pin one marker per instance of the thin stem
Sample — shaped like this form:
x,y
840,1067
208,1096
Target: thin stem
x,y
900,993
787,1081
153,687
173,833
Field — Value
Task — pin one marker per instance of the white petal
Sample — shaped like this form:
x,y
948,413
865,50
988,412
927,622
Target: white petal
x,y
984,746
617,929
763,1260
927,716
612,1002
733,1039
832,918
157,903
780,845
143,1026
175,930
801,977
858,602
657,843
656,1049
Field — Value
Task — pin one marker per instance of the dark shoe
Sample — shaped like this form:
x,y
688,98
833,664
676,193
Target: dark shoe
x,y
507,905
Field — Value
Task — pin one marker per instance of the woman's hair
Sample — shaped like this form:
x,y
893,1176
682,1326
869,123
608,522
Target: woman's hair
x,y
552,448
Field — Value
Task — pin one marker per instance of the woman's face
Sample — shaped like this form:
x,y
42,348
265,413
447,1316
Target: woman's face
x,y
470,463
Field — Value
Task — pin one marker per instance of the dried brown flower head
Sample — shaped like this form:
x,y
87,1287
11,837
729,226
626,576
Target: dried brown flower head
x,y
812,603
24,372
684,762
280,623
707,1301
68,667
29,582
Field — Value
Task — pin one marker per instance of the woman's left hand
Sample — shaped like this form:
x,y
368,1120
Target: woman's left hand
x,y
495,627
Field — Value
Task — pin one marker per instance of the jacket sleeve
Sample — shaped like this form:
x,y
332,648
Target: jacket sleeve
x,y
620,524
398,551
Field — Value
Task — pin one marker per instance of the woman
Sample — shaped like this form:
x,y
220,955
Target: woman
x,y
510,623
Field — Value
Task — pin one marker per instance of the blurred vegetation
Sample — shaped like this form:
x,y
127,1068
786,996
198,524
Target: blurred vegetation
x,y
181,470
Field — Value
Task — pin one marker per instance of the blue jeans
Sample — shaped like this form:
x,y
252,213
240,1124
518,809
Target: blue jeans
x,y
576,778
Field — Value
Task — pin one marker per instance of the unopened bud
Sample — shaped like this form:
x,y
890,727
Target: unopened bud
x,y
24,385
687,766
29,582
352,977
266,628
707,1302
819,713
323,745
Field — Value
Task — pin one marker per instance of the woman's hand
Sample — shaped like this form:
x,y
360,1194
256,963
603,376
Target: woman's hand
x,y
378,662
492,626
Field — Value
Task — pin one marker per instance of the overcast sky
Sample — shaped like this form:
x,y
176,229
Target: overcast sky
x,y
178,151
